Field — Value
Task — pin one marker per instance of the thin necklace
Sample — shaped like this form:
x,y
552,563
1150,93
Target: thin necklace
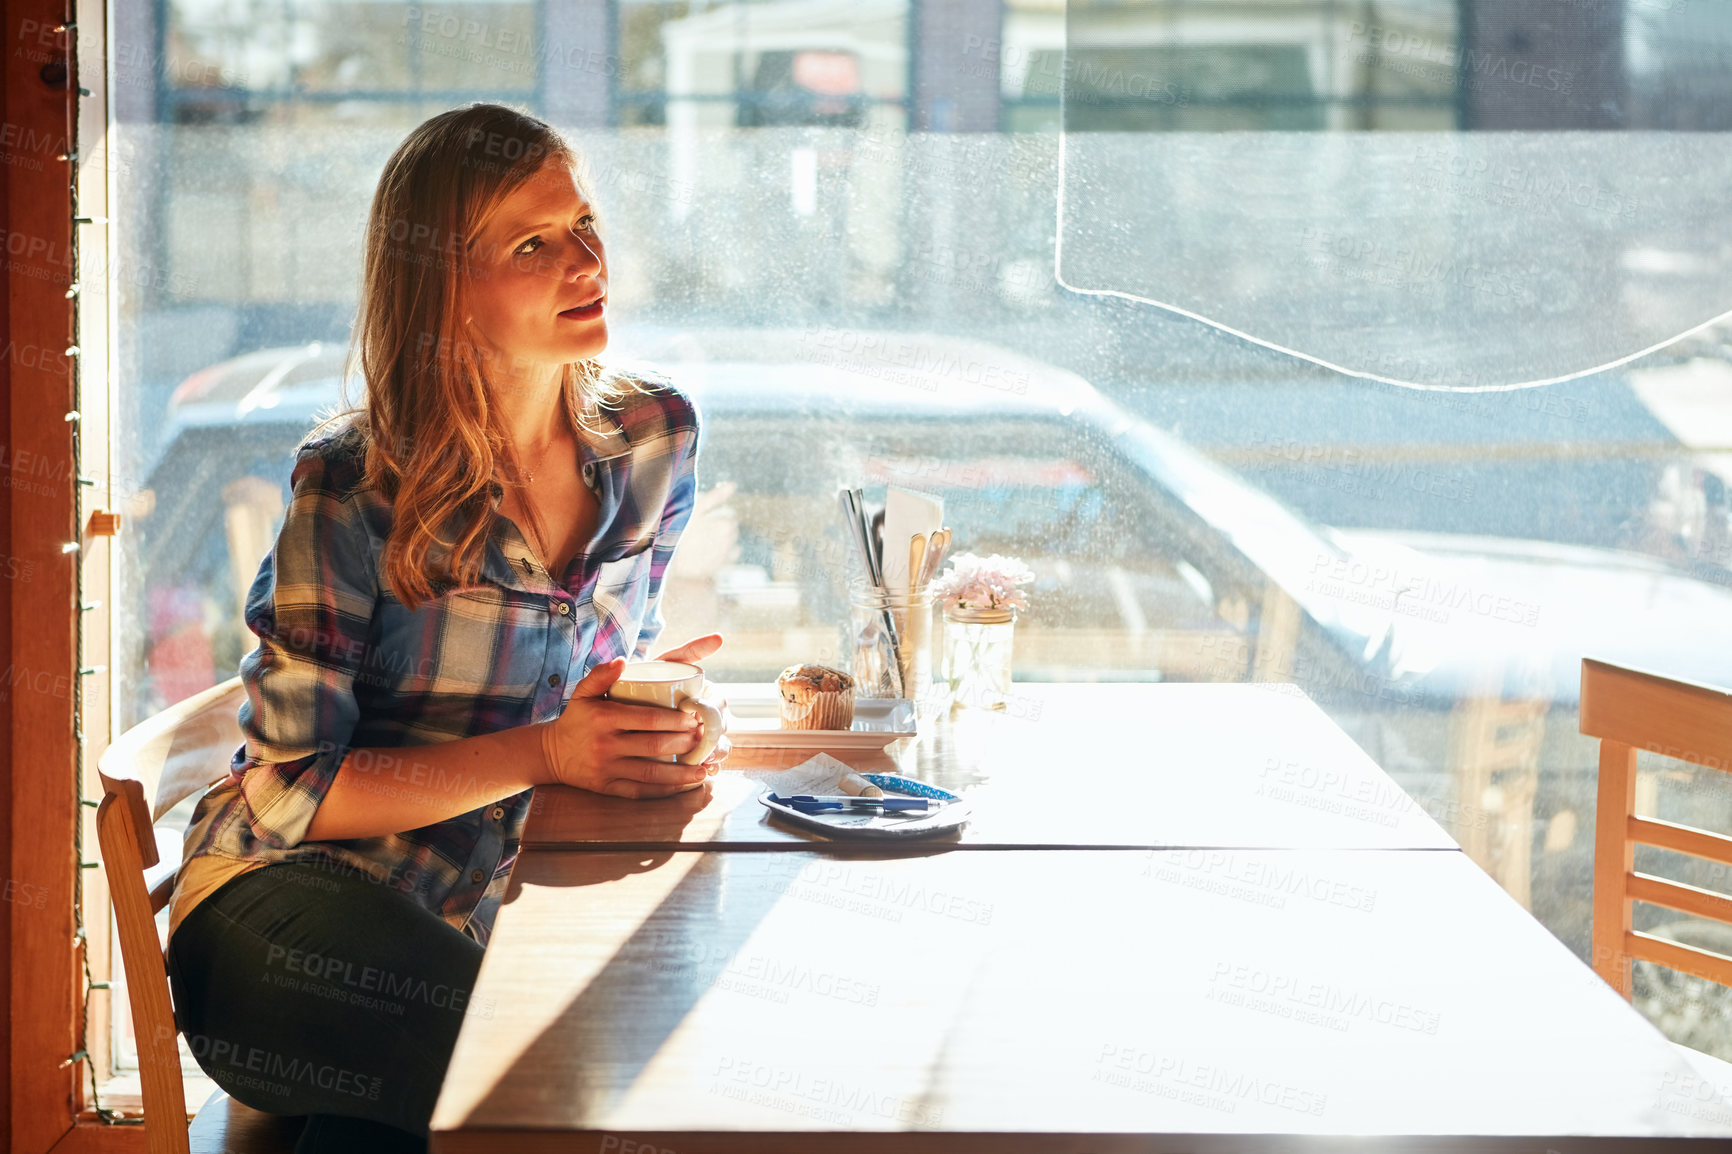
x,y
534,523
529,474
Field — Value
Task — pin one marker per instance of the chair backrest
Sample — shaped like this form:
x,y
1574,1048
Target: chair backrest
x,y
1494,753
178,751
1628,709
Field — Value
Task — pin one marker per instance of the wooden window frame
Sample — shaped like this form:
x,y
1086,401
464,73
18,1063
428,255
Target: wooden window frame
x,y
45,507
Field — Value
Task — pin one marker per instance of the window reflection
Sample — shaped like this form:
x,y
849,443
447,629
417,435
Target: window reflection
x,y
836,224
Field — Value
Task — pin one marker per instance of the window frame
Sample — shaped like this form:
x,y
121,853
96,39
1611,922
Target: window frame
x,y
57,620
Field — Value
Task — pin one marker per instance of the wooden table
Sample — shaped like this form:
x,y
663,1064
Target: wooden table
x,y
1186,765
1209,1000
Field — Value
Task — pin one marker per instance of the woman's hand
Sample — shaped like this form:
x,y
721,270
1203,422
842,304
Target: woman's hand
x,y
692,652
609,746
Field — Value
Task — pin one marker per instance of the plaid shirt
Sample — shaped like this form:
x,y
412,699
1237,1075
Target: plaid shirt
x,y
342,664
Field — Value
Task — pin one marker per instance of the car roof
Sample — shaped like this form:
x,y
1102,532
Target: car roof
x,y
231,381
863,372
819,373
828,374
809,372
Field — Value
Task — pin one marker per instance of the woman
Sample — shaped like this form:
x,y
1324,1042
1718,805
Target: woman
x,y
468,559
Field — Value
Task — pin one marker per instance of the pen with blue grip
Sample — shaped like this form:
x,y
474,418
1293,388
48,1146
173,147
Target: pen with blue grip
x,y
816,803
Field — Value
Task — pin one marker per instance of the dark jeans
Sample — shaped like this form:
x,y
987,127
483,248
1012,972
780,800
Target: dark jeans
x,y
309,989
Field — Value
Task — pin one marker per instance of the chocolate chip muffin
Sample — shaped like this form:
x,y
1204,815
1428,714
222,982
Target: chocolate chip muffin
x,y
815,697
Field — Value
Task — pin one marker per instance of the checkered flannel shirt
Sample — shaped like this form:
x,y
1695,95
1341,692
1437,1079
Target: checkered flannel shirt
x,y
342,664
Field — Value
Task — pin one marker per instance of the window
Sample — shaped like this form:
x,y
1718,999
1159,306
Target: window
x,y
838,225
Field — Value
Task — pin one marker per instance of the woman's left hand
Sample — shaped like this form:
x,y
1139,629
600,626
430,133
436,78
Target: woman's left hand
x,y
693,652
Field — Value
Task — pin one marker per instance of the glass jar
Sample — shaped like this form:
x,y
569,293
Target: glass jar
x,y
977,652
890,636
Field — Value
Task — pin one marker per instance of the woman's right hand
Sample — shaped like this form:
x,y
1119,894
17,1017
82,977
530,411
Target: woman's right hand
x,y
610,746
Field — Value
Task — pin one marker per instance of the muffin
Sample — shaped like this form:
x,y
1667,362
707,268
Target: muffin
x,y
815,697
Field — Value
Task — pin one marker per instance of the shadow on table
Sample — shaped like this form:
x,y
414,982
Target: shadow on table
x,y
669,961
723,814
581,816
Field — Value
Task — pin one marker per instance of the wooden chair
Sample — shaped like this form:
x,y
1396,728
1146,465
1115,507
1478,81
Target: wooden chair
x,y
181,750
1494,756
1628,710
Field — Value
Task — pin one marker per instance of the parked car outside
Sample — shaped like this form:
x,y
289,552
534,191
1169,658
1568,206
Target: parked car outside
x,y
1440,653
1152,561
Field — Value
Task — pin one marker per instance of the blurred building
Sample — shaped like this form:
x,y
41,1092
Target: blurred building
x,y
249,134
944,65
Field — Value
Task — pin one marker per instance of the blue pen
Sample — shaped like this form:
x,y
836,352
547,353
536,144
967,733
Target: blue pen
x,y
814,803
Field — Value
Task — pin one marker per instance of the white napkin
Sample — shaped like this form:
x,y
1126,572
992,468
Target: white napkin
x,y
819,774
906,513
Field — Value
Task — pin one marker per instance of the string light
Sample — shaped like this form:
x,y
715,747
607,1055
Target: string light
x,y
81,939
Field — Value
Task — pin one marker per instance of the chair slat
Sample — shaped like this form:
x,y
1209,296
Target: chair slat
x,y
130,793
1614,858
1703,963
1682,838
1629,709
161,892
1679,719
147,977
182,749
1678,896
203,743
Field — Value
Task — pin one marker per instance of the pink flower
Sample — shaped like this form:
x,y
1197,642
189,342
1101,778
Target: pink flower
x,y
974,582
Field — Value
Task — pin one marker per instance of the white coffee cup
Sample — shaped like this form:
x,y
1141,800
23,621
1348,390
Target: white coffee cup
x,y
673,685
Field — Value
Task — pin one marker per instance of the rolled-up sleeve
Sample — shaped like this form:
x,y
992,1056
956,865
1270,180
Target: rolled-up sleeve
x,y
311,607
682,494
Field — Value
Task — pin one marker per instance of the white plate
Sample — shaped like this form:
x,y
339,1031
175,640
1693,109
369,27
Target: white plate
x,y
948,818
755,720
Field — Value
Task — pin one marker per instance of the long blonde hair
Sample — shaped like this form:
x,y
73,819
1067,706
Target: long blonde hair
x,y
433,439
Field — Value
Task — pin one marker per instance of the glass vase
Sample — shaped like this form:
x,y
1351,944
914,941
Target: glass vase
x,y
890,637
977,653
